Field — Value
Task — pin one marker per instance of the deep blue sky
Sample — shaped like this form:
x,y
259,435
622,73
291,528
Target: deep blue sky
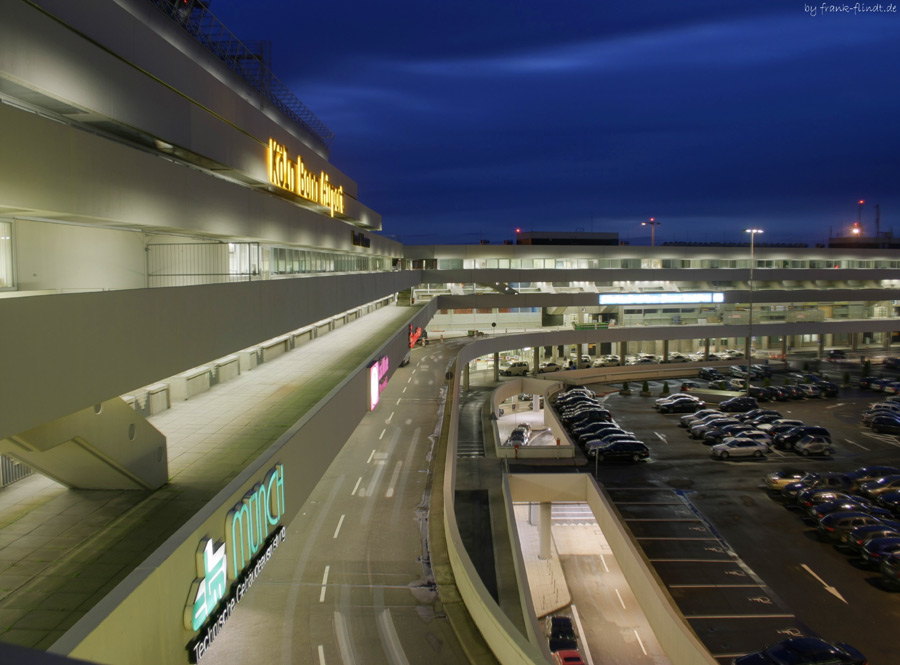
x,y
464,119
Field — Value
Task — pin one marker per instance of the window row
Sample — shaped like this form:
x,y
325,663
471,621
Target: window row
x,y
620,263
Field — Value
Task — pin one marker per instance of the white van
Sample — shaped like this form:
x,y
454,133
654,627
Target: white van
x,y
518,368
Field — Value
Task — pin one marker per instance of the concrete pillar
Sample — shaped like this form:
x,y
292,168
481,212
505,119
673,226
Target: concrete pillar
x,y
544,531
466,376
821,350
623,349
706,349
748,350
665,350
784,346
496,367
886,341
854,341
533,513
537,359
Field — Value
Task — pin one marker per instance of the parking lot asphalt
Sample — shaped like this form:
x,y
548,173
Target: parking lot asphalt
x,y
745,570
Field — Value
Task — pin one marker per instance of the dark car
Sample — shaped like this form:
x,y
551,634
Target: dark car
x,y
786,440
719,434
710,374
794,392
866,473
830,480
775,480
876,549
804,651
759,394
591,446
890,570
859,536
561,644
836,354
890,500
684,405
829,389
560,628
779,393
838,527
634,451
758,413
841,506
886,423
739,404
686,421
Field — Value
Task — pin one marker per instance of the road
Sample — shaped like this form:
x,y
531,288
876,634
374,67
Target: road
x,y
352,585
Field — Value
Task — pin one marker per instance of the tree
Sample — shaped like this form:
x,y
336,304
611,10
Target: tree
x,y
665,388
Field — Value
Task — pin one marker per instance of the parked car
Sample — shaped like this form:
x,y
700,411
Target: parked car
x,y
610,360
890,570
876,549
836,355
674,396
760,394
860,535
843,506
828,479
718,384
699,430
683,405
560,628
786,440
780,425
518,368
710,374
886,424
567,657
872,488
738,371
804,651
813,445
739,404
776,480
739,447
719,434
779,393
520,435
688,420
838,527
562,644
737,385
752,414
866,473
676,357
634,451
549,367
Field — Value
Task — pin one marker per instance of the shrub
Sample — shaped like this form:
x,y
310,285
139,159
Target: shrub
x,y
665,388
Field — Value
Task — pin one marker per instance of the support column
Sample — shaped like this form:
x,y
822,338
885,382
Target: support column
x,y
821,352
665,350
537,359
544,531
623,349
748,350
784,348
497,367
854,341
706,349
466,376
886,341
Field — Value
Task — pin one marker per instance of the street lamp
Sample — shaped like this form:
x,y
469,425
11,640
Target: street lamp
x,y
859,213
747,345
652,224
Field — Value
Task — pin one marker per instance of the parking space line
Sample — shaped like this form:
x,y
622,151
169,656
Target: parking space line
x,y
321,655
857,444
381,436
356,486
621,602
324,583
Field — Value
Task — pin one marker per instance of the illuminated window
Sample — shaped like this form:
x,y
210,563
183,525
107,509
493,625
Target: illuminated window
x,y
6,259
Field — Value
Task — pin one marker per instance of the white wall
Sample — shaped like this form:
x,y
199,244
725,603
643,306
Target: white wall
x,y
77,258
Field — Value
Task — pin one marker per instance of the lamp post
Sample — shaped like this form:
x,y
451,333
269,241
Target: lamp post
x,y
859,214
749,342
652,224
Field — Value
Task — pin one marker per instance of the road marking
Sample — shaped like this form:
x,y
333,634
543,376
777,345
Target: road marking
x,y
321,655
414,371
856,444
371,456
409,380
398,399
830,589
620,599
356,486
883,439
639,641
834,406
324,582
390,490
603,561
404,388
662,437
389,417
381,436
584,645
338,529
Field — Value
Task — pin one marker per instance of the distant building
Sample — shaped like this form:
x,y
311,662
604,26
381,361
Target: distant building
x,y
566,238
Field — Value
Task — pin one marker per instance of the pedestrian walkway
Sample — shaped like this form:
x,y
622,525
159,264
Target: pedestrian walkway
x,y
62,550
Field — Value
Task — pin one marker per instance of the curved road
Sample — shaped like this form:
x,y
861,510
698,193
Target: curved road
x,y
351,585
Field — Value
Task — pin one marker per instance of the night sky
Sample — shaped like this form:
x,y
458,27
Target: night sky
x,y
463,120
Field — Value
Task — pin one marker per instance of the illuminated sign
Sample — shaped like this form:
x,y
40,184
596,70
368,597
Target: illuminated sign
x,y
251,535
295,178
660,298
377,380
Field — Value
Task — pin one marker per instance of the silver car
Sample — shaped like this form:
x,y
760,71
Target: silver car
x,y
814,445
739,447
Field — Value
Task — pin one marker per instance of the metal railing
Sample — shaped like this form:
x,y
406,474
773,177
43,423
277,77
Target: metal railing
x,y
251,64
11,471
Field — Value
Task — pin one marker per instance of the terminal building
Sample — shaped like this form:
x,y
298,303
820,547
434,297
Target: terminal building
x,y
170,220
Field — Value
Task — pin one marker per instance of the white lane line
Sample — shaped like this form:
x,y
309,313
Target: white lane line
x,y
381,436
834,406
389,417
321,655
878,437
371,455
620,600
639,641
856,444
603,561
389,639
404,389
414,371
324,582
584,645
662,437
410,378
356,486
398,401
338,529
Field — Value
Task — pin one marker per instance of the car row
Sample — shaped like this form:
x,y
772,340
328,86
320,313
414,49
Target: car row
x,y
592,428
563,641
